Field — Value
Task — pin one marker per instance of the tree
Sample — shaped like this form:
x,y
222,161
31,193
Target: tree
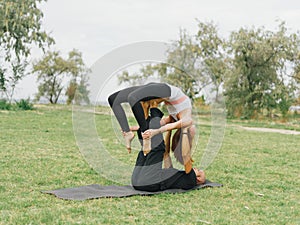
x,y
256,69
296,72
20,28
81,92
53,71
183,66
212,52
193,62
258,78
10,77
179,70
77,88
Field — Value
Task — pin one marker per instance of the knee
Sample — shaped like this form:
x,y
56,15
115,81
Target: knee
x,y
112,98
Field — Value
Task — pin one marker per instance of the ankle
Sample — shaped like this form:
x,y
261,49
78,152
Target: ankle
x,y
128,133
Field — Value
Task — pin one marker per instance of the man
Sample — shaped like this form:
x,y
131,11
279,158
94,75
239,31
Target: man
x,y
148,174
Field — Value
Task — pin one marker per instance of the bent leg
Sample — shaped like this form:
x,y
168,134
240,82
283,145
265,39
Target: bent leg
x,y
145,93
115,100
146,174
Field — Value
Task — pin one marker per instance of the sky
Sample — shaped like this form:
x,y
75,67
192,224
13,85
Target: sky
x,y
96,27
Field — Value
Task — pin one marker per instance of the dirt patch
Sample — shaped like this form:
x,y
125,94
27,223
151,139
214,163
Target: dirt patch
x,y
271,130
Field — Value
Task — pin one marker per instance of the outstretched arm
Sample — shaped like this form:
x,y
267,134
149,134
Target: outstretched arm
x,y
185,121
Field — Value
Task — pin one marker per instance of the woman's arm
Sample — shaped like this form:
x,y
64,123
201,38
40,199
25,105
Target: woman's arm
x,y
182,123
166,120
168,127
185,121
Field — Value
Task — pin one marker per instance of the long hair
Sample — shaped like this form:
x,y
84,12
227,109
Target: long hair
x,y
177,145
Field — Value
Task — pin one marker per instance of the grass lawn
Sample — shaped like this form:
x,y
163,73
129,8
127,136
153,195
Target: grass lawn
x,y
259,171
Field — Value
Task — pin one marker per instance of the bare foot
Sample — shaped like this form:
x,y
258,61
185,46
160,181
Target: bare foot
x,y
128,136
146,146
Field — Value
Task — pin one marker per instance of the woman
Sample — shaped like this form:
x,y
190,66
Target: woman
x,y
178,105
148,174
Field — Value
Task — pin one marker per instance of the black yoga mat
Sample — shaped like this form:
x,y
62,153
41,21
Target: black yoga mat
x,y
97,191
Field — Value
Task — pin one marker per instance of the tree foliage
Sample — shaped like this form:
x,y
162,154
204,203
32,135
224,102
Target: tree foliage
x,y
256,69
178,70
20,29
259,71
193,62
212,52
182,65
53,71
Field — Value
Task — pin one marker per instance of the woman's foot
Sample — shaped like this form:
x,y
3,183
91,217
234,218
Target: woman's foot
x,y
128,136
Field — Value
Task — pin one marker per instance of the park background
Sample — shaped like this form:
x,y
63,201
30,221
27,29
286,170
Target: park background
x,y
248,52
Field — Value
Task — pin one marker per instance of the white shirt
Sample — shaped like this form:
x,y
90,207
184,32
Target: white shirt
x,y
177,102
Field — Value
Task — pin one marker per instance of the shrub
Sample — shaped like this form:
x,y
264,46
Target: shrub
x,y
24,104
4,105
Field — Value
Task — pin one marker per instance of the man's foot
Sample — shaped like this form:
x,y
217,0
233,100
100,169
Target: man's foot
x,y
146,146
128,136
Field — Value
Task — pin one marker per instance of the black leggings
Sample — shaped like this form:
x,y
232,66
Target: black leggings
x,y
115,100
134,95
148,174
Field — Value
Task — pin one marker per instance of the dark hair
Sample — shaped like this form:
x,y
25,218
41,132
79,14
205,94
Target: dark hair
x,y
177,144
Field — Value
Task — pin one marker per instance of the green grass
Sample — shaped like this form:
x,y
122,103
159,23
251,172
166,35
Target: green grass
x,y
260,173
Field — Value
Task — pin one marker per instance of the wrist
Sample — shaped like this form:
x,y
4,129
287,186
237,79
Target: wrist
x,y
163,129
162,122
160,130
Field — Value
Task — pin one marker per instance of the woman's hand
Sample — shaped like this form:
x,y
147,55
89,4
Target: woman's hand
x,y
150,133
